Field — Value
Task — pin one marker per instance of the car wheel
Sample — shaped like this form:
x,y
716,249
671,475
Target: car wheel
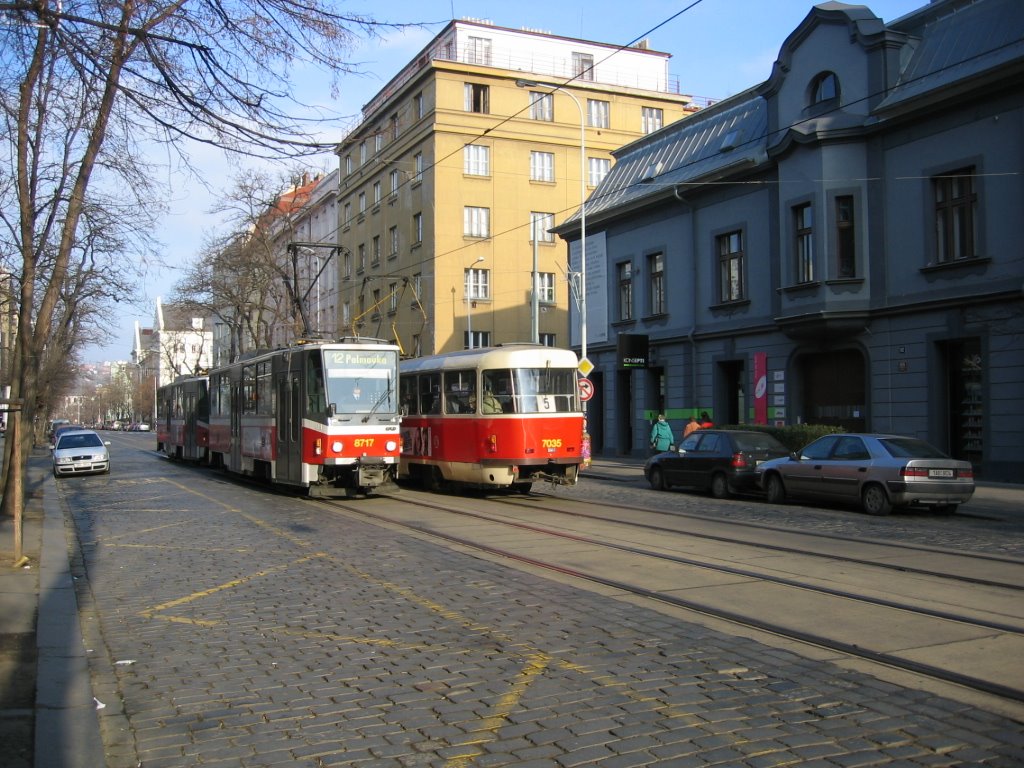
x,y
775,490
720,486
657,480
874,500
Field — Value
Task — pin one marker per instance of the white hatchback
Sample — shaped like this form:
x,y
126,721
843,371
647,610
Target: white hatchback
x,y
80,452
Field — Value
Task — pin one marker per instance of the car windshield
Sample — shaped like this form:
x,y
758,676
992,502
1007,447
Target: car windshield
x,y
757,442
79,441
911,448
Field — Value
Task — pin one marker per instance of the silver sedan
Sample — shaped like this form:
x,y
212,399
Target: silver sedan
x,y
878,472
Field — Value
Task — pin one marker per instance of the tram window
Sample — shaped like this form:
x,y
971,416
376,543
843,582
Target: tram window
x,y
460,388
249,389
410,403
545,390
430,393
498,387
316,400
265,394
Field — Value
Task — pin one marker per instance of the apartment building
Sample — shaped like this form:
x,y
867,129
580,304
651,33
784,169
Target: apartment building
x,y
460,167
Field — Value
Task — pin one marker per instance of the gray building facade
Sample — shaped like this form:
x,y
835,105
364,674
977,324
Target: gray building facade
x,y
840,244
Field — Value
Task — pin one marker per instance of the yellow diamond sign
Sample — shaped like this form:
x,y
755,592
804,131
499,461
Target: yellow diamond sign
x,y
585,366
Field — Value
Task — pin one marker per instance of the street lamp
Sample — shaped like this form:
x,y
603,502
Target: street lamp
x,y
469,301
583,207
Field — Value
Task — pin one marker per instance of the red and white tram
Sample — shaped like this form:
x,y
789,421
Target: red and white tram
x,y
500,417
183,418
317,416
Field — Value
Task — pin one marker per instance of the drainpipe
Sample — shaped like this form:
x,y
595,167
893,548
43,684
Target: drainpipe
x,y
693,296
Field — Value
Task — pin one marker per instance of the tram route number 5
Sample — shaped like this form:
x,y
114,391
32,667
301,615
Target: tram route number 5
x,y
586,389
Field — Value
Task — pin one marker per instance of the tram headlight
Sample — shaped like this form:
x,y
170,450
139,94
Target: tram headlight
x,y
337,446
319,449
391,445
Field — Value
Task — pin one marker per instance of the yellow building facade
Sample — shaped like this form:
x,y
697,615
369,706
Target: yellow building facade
x,y
460,160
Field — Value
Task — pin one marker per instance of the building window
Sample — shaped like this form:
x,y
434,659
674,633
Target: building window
x,y
362,202
625,270
362,153
542,166
395,182
481,339
348,163
417,228
656,270
394,127
598,113
376,192
651,119
346,268
582,66
478,283
361,258
346,313
392,297
548,340
375,250
478,51
546,287
824,87
378,142
955,213
375,307
846,237
598,168
393,242
478,98
347,215
803,229
417,286
419,105
417,162
476,222
540,223
542,106
730,266
476,160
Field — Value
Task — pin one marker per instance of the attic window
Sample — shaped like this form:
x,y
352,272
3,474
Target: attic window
x,y
653,170
824,87
730,141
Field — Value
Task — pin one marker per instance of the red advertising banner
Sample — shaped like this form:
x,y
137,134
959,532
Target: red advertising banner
x,y
760,388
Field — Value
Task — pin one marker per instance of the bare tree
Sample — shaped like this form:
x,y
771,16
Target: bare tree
x,y
249,278
87,86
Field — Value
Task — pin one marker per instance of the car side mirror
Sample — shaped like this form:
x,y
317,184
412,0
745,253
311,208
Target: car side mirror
x,y
794,456
106,442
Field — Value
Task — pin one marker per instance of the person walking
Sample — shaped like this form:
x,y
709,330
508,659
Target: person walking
x,y
661,435
691,426
705,420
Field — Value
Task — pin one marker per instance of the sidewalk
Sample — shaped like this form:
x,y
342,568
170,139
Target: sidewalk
x,y
46,686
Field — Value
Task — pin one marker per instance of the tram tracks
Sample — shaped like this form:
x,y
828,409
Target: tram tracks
x,y
917,620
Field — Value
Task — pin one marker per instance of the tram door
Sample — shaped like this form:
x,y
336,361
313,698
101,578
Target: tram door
x,y
190,449
235,462
289,426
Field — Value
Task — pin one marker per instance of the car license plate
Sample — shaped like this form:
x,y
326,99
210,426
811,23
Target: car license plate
x,y
940,473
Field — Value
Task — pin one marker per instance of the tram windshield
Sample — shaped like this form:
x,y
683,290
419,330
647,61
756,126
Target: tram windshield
x,y
532,390
361,381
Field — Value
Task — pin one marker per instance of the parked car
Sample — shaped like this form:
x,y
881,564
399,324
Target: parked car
x,y
721,461
878,472
80,452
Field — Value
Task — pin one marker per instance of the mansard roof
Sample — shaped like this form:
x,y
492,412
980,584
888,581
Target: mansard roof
x,y
944,49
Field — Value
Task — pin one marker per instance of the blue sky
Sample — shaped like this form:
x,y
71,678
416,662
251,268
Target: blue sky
x,y
718,47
